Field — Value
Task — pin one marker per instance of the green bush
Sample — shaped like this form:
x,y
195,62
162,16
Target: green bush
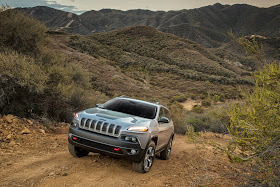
x,y
216,98
35,81
178,98
255,125
206,102
197,109
179,118
21,33
31,89
214,121
198,124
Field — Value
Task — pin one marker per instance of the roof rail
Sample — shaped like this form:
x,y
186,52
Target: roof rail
x,y
124,96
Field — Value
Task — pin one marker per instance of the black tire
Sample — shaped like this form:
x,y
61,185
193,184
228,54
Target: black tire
x,y
77,151
147,161
165,154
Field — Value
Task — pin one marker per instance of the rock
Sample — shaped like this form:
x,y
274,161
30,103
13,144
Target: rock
x,y
30,122
9,118
51,174
12,143
16,120
25,131
42,131
9,137
5,132
64,174
9,163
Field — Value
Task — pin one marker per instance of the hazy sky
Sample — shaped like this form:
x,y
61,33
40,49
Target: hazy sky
x,y
84,5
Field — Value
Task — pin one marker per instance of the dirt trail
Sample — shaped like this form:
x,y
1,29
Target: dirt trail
x,y
43,160
189,104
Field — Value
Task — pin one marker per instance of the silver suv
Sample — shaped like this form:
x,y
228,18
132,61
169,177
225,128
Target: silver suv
x,y
123,127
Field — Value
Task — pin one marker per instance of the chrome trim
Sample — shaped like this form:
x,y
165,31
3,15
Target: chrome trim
x,y
106,132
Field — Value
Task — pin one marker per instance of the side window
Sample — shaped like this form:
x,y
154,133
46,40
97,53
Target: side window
x,y
161,113
167,114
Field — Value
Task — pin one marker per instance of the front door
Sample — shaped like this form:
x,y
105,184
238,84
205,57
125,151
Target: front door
x,y
163,135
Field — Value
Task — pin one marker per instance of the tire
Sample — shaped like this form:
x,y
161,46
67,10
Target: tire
x,y
165,154
147,162
77,151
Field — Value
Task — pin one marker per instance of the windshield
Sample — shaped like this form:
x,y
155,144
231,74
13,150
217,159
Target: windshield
x,y
131,107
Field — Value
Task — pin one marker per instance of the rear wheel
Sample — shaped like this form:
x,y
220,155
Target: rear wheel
x,y
165,154
77,151
146,163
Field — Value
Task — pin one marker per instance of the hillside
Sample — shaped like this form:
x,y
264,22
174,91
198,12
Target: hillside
x,y
156,61
207,25
236,54
45,72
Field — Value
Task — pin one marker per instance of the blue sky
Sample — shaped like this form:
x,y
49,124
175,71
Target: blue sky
x,y
78,6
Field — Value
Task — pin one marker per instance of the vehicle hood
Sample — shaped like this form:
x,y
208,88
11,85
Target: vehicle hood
x,y
117,118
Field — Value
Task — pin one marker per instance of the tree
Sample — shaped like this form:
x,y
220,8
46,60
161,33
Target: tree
x,y
255,121
255,124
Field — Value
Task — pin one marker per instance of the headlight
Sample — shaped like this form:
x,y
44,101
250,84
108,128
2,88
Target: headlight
x,y
74,124
76,116
141,129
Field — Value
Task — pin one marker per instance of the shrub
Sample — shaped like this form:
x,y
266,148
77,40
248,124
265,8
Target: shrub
x,y
179,118
216,98
214,121
197,109
31,89
255,125
178,98
36,82
21,33
206,102
198,124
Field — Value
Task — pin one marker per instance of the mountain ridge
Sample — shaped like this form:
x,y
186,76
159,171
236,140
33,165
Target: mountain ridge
x,y
206,25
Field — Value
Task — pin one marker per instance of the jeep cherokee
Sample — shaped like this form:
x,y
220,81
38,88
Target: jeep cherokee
x,y
123,127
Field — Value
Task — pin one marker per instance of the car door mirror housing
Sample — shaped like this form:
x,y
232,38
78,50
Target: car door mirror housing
x,y
99,105
164,120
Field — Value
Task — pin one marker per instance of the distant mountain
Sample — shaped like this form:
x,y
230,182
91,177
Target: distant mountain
x,y
207,25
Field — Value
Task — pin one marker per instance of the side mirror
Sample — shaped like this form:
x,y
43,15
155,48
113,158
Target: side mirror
x,y
164,120
98,105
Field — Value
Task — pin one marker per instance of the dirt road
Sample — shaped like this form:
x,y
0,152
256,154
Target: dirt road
x,y
43,160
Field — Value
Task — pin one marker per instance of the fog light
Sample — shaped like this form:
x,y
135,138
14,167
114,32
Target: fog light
x,y
133,151
74,124
127,138
133,139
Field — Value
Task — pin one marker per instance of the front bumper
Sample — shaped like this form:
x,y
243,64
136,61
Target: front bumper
x,y
108,145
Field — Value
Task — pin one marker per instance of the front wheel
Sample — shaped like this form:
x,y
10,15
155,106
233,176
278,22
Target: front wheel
x,y
146,163
165,154
77,151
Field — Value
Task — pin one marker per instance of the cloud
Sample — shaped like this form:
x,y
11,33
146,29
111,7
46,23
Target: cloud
x,y
84,5
49,3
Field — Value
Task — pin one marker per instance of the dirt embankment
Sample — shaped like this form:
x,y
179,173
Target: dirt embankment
x,y
33,155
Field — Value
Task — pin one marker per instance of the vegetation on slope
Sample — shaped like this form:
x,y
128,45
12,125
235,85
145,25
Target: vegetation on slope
x,y
255,122
144,49
35,81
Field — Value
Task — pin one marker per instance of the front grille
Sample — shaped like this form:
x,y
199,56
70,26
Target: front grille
x,y
99,146
100,127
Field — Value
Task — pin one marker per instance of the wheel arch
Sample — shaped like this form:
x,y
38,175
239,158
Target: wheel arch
x,y
155,139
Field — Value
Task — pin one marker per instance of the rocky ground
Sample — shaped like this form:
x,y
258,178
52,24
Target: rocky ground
x,y
35,154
